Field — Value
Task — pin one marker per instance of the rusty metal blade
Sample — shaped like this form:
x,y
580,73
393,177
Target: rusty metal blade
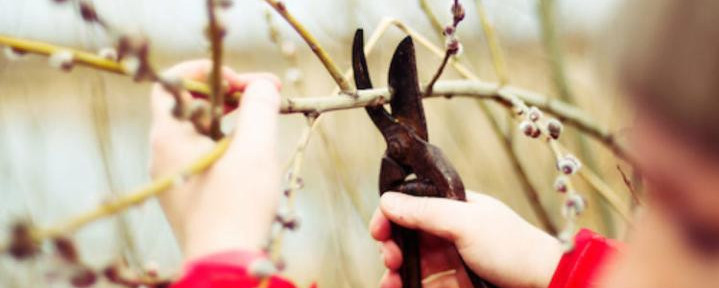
x,y
359,62
406,100
380,117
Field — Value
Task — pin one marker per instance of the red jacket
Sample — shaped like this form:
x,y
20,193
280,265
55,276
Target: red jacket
x,y
576,269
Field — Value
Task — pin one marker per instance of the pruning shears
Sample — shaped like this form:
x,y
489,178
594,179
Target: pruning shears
x,y
408,150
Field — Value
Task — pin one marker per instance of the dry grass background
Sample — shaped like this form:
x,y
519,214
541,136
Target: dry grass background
x,y
66,140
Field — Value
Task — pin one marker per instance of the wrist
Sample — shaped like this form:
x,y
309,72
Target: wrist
x,y
546,258
204,236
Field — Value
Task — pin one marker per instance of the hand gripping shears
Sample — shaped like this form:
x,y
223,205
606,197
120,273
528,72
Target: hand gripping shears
x,y
408,150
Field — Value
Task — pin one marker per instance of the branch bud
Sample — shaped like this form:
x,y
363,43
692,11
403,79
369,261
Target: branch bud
x,y
66,249
108,53
453,46
560,184
457,12
63,60
555,128
83,277
14,54
22,244
293,75
569,165
527,128
534,114
262,268
574,206
87,11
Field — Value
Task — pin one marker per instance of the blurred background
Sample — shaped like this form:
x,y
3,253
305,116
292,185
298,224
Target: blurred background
x,y
69,141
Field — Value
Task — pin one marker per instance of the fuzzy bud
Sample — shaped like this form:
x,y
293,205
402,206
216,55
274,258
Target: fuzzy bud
x,y
22,244
63,60
135,44
518,106
569,165
88,12
566,239
457,12
574,206
288,48
299,184
131,66
560,184
555,128
288,219
262,268
152,269
66,249
13,54
534,114
527,128
280,264
452,45
83,277
449,30
112,273
108,53
293,75
536,133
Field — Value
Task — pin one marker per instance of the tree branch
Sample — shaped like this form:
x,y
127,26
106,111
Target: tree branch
x,y
133,198
215,33
463,88
91,60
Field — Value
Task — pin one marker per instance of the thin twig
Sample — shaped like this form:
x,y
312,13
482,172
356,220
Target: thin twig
x,y
440,70
433,20
215,33
297,161
500,69
528,188
568,114
288,51
314,45
630,186
91,60
553,49
607,193
135,197
493,42
547,14
465,88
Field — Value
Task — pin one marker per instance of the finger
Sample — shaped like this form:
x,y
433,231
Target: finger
x,y
391,255
239,82
257,120
442,217
199,70
162,104
379,226
391,279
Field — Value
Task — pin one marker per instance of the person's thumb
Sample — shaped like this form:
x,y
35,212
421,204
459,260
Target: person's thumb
x,y
444,218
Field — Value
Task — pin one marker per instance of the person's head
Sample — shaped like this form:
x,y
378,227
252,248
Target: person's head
x,y
668,62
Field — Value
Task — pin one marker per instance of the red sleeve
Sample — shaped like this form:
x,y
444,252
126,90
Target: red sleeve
x,y
579,268
224,270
